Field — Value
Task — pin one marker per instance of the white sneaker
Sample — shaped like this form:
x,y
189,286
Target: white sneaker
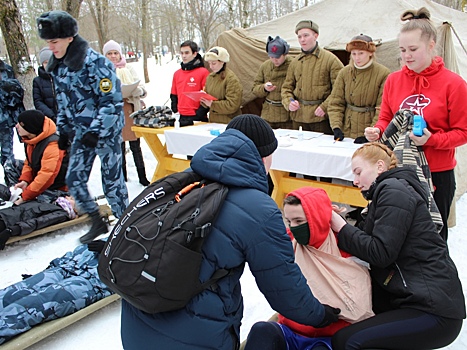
x,y
15,193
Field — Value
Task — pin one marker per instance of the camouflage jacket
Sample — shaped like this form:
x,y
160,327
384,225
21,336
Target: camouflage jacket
x,y
88,92
11,96
69,284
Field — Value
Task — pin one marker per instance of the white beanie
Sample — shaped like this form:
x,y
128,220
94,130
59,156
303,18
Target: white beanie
x,y
111,45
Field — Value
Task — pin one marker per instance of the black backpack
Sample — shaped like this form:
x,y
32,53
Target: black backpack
x,y
153,255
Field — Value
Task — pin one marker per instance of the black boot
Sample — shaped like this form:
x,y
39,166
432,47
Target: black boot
x,y
99,227
4,236
142,176
124,161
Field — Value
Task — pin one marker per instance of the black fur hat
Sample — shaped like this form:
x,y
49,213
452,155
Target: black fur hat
x,y
56,24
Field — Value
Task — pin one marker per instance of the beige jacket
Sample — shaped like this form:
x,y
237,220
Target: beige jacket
x,y
272,112
310,77
357,88
229,93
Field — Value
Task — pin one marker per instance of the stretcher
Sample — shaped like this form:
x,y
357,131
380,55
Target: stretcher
x,y
103,208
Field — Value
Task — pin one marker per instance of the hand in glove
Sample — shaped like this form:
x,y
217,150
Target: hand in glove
x,y
63,142
96,246
138,92
360,140
338,134
331,315
90,139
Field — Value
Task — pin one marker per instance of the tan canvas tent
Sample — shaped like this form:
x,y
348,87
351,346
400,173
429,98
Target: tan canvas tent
x,y
339,21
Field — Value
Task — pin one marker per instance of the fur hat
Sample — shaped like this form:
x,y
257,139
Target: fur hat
x,y
111,45
44,55
307,24
277,47
257,130
217,53
32,121
56,24
361,42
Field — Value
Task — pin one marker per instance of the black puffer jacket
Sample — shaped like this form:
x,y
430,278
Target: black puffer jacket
x,y
410,263
44,94
32,215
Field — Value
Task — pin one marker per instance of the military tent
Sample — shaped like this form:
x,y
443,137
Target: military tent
x,y
338,22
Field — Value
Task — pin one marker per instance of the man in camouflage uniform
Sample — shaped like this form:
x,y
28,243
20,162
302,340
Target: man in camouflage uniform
x,y
69,284
90,113
11,105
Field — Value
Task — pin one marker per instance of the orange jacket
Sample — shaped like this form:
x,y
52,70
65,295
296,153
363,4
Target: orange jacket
x,y
51,162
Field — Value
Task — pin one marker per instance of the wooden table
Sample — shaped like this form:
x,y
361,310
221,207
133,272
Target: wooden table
x,y
281,166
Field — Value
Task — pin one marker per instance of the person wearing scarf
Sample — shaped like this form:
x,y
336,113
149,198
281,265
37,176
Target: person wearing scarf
x,y
427,88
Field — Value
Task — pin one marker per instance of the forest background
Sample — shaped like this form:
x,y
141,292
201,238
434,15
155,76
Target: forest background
x,y
148,27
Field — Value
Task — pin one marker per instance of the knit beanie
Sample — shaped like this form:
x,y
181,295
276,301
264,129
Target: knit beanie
x,y
111,45
257,130
277,47
56,24
32,121
44,55
217,53
361,42
307,24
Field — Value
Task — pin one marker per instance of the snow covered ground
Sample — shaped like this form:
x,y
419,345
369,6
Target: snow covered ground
x,y
101,330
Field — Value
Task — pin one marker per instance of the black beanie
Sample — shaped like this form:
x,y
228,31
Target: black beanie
x,y
32,121
56,24
257,130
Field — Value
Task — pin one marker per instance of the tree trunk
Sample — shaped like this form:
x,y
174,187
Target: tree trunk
x,y
72,7
144,25
10,24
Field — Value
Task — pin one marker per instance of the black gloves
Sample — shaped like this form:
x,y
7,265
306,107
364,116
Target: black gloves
x,y
90,139
330,315
202,113
63,142
96,246
338,134
360,140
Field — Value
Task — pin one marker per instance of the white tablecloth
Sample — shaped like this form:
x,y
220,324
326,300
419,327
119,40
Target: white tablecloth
x,y
316,154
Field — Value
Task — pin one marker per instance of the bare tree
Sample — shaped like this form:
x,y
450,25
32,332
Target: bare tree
x,y
99,10
206,17
72,7
10,23
146,37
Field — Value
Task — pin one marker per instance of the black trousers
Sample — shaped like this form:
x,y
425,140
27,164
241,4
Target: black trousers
x,y
445,188
402,329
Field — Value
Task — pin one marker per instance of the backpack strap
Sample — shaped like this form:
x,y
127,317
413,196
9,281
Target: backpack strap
x,y
211,283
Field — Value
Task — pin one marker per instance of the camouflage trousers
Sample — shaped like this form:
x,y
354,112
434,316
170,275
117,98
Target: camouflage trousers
x,y
69,285
80,166
6,143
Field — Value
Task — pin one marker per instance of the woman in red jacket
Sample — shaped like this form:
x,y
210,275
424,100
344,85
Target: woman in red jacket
x,y
427,88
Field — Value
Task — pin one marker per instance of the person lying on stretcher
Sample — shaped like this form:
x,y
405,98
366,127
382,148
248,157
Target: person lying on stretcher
x,y
18,220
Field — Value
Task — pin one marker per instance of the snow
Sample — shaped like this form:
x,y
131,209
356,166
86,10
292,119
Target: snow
x,y
102,328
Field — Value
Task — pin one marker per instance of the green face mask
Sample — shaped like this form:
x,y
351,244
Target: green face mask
x,y
301,233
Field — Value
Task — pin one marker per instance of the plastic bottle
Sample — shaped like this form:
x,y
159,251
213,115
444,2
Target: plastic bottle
x,y
300,134
177,120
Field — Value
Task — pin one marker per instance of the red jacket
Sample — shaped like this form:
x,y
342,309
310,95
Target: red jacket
x,y
188,80
51,163
317,207
438,95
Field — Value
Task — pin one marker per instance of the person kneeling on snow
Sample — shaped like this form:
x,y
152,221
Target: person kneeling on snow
x,y
19,220
68,284
334,276
45,166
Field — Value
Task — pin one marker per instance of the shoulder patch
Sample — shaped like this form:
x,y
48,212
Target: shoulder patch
x,y
105,85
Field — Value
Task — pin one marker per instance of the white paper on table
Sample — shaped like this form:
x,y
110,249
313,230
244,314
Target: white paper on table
x,y
328,142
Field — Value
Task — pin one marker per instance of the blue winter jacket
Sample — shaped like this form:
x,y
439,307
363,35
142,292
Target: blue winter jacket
x,y
88,92
249,229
